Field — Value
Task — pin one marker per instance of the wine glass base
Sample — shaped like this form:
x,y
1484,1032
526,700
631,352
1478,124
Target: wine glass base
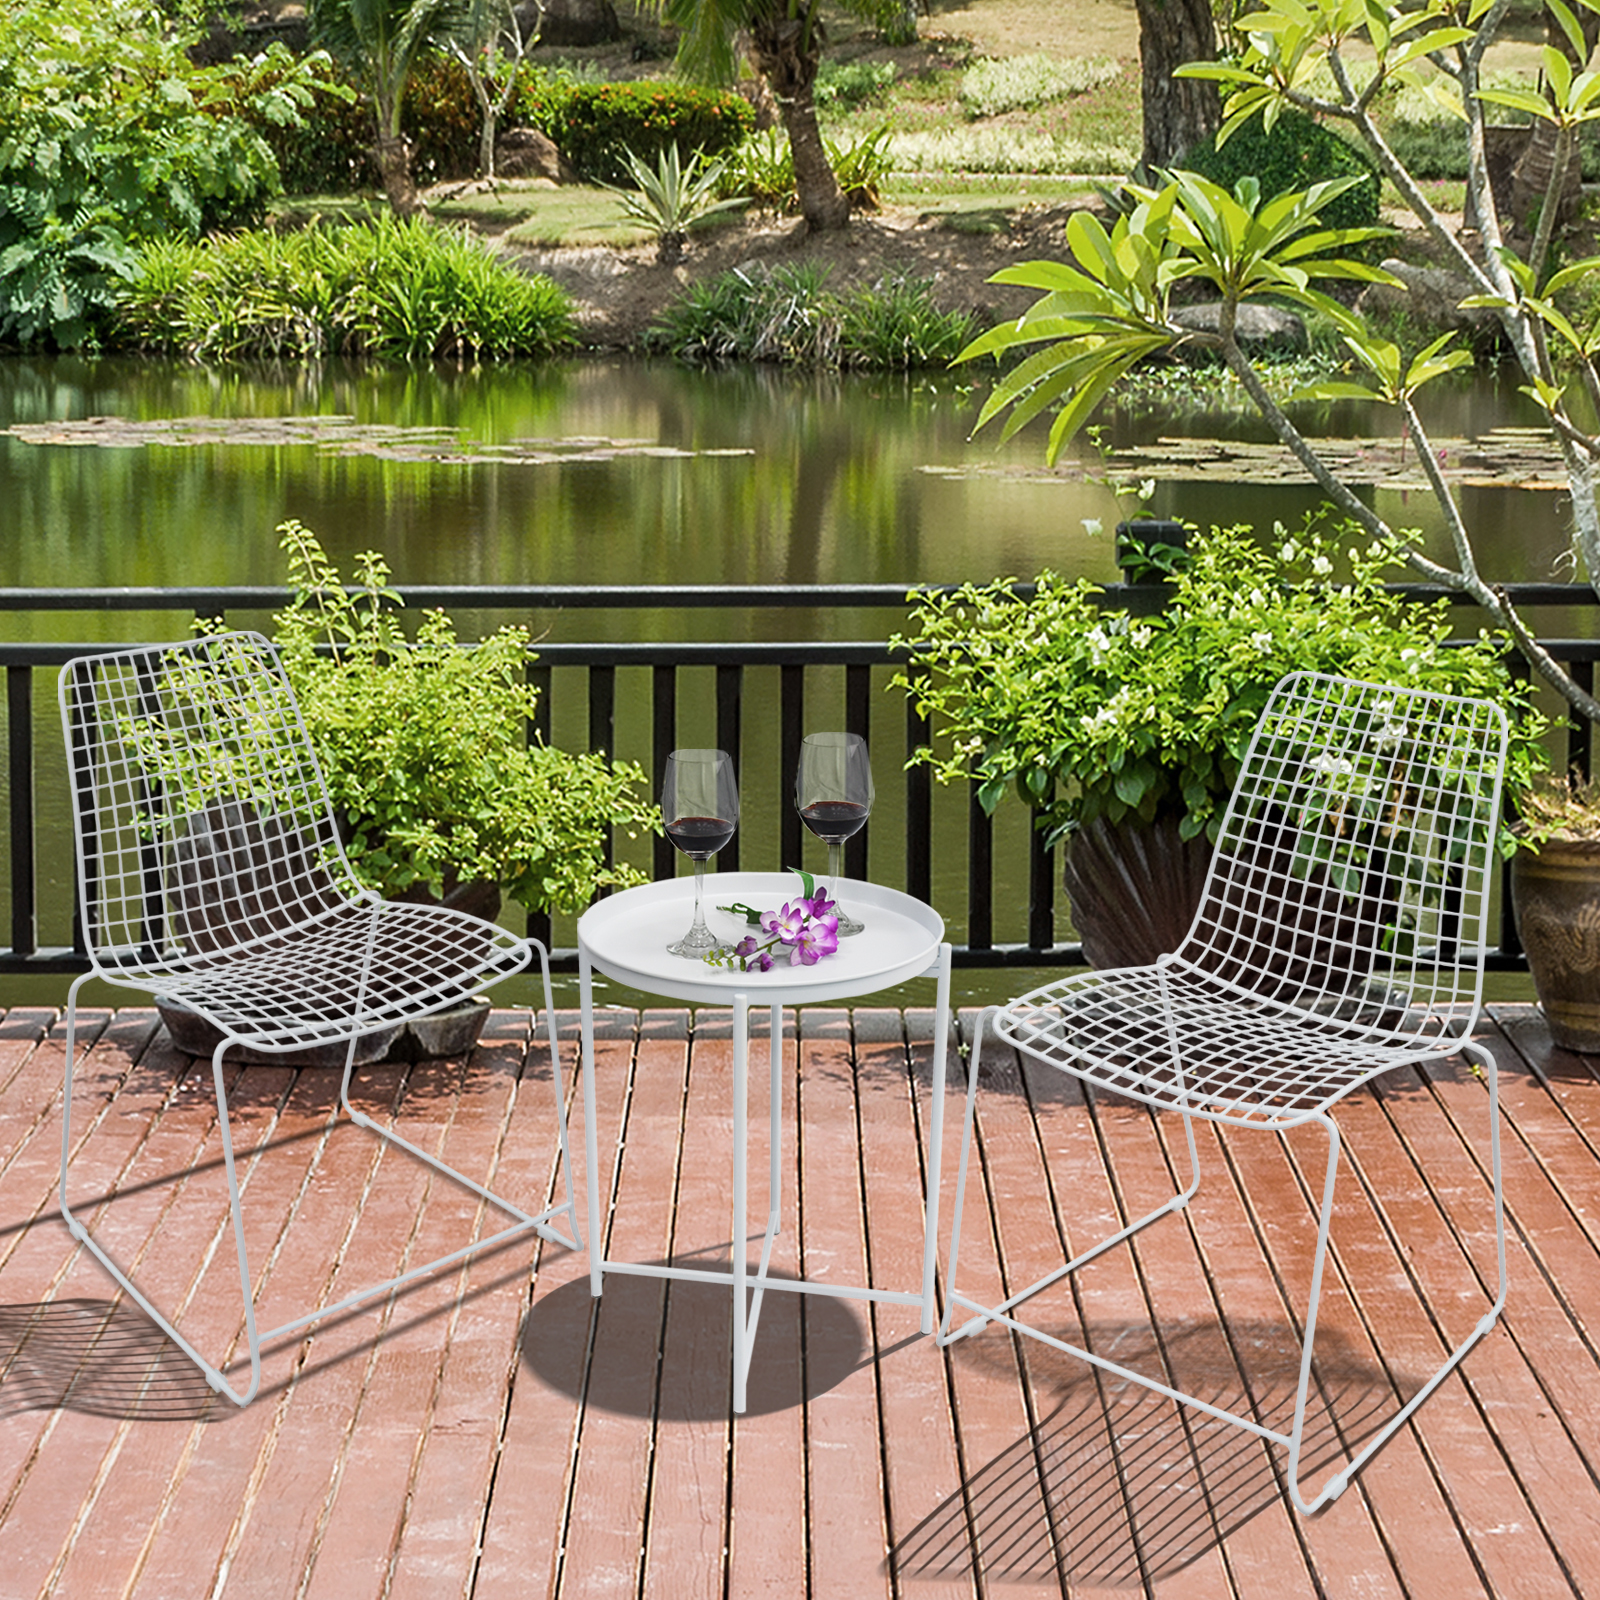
x,y
697,944
847,924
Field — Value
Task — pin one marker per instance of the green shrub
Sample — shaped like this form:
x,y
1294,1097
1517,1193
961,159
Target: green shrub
x,y
330,152
846,85
594,123
894,326
789,316
762,170
110,135
424,746
398,291
1296,154
1016,83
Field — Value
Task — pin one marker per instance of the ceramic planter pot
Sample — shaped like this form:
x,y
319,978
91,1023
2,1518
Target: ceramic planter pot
x,y
1556,899
445,1033
1134,889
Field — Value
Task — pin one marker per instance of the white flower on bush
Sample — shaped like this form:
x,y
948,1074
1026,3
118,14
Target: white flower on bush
x,y
1321,566
1262,641
1331,766
1094,527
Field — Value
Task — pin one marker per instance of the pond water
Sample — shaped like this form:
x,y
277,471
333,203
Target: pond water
x,y
613,472
604,472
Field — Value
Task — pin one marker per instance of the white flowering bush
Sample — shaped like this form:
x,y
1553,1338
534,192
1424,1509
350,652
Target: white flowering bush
x,y
1086,712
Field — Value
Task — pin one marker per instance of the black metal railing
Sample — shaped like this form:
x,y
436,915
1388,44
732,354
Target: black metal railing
x,y
1025,875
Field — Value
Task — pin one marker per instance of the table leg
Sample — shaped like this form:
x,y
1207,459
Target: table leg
x,y
741,1328
775,1121
930,1226
591,1142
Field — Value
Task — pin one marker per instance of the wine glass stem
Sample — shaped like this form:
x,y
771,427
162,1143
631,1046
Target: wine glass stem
x,y
699,885
834,852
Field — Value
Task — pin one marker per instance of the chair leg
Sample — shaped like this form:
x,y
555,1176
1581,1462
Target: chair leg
x,y
1292,1440
1340,1481
987,1314
541,1222
213,1374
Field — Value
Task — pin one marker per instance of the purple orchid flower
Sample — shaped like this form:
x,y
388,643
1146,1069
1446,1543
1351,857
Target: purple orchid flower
x,y
747,946
820,903
787,924
818,939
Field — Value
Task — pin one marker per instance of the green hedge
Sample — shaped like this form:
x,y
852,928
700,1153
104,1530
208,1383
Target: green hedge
x,y
592,123
1297,154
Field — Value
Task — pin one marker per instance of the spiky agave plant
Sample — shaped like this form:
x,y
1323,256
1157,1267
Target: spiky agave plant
x,y
670,198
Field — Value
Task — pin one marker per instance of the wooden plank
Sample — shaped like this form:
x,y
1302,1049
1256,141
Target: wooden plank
x,y
767,1533
437,1548
845,1511
611,1478
920,1468
1203,1482
1002,1527
526,1520
1534,1377
428,1330
686,1535
253,1489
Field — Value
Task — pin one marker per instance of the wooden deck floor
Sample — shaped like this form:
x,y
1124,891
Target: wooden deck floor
x,y
501,1435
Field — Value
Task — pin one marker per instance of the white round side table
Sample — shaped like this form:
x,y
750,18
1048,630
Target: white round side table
x,y
626,938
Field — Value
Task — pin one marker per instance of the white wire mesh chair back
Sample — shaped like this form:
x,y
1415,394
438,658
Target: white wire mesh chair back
x,y
203,822
1353,869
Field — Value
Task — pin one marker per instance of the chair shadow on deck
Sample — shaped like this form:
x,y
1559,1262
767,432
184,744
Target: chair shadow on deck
x,y
1118,1487
97,1356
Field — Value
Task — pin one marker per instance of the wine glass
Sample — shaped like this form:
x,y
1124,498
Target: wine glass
x,y
833,794
700,809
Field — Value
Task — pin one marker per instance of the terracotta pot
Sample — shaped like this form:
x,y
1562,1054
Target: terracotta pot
x,y
1556,899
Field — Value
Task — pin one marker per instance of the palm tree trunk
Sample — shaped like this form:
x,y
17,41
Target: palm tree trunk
x,y
786,52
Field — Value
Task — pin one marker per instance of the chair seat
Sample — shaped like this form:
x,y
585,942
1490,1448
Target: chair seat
x,y
1241,1059
300,986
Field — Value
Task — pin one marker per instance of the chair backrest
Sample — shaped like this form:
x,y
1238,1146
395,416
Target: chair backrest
x,y
201,818
1352,873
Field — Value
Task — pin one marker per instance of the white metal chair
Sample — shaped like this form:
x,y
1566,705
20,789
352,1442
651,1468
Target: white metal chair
x,y
1340,935
211,874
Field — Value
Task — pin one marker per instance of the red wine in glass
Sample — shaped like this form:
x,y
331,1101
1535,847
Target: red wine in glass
x,y
700,838
833,794
699,810
834,821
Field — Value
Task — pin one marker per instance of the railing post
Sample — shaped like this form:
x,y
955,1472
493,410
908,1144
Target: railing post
x,y
663,737
24,886
919,800
857,719
541,679
980,872
730,687
791,715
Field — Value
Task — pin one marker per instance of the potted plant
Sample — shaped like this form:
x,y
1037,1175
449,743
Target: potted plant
x,y
439,793
1555,894
1126,732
